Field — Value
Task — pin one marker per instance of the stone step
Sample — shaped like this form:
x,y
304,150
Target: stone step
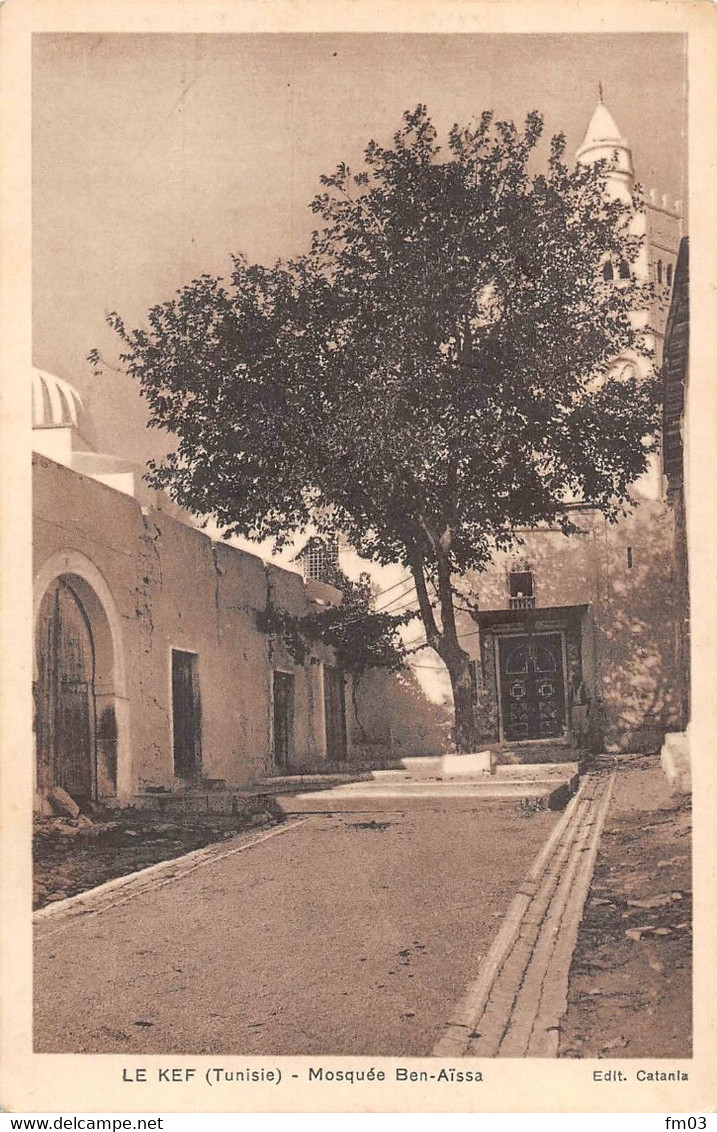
x,y
317,781
535,770
537,752
446,789
412,778
202,802
365,797
420,765
527,771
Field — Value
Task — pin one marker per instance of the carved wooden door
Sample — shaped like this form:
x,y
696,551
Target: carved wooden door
x,y
65,701
532,687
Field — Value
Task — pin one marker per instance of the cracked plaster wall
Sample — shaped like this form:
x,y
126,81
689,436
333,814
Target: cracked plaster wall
x,y
175,588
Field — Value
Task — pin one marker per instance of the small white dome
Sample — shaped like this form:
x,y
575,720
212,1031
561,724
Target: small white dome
x,y
55,403
604,140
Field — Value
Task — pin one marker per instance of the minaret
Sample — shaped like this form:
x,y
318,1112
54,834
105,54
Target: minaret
x,y
603,141
660,225
659,221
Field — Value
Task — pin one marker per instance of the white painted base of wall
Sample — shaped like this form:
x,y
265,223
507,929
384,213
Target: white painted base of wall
x,y
475,764
676,763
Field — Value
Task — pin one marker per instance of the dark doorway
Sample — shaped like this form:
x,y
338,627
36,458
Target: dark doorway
x,y
186,716
335,714
283,719
65,695
532,686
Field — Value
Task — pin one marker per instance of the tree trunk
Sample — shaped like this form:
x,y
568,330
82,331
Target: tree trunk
x,y
357,718
464,726
446,643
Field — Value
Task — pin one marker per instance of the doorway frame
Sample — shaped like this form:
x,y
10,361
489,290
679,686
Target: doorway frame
x,y
106,627
325,669
178,781
521,631
280,671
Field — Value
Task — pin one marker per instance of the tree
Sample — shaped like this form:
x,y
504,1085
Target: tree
x,y
360,636
436,372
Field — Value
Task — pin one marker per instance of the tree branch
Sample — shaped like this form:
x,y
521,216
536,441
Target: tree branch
x,y
433,635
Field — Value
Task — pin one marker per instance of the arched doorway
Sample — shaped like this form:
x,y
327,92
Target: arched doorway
x,y
65,694
81,705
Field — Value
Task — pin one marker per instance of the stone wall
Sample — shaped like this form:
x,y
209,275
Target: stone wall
x,y
615,589
390,718
151,584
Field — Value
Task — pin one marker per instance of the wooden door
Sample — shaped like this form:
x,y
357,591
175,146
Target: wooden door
x,y
186,716
283,719
65,696
335,714
532,687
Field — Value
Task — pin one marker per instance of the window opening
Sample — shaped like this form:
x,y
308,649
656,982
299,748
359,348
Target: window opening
x,y
521,589
321,558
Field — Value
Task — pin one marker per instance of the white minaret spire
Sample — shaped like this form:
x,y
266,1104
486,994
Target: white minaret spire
x,y
603,140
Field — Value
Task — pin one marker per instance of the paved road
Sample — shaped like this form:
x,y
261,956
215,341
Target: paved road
x,y
348,934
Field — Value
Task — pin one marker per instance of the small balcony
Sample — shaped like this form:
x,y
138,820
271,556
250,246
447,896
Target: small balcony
x,y
521,602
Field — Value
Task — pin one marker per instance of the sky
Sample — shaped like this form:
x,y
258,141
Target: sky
x,y
156,157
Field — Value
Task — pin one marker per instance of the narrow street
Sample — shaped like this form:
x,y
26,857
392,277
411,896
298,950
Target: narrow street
x,y
349,933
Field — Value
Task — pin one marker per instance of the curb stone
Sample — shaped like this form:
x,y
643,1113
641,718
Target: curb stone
x,y
521,990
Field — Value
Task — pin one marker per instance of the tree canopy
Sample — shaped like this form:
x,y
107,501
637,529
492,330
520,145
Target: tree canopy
x,y
360,636
436,372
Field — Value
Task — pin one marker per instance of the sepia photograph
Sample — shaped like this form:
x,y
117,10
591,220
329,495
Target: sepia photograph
x,y
361,678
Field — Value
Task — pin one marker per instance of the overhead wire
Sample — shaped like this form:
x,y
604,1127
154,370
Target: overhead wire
x,y
461,637
398,597
394,587
405,606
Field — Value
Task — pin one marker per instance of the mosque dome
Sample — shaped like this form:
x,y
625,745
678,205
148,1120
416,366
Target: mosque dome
x,y
55,403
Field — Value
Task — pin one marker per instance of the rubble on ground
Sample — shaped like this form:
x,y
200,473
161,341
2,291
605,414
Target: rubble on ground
x,y
73,854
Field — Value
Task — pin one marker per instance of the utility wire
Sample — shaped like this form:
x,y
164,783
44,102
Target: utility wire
x,y
406,605
461,637
398,597
393,587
